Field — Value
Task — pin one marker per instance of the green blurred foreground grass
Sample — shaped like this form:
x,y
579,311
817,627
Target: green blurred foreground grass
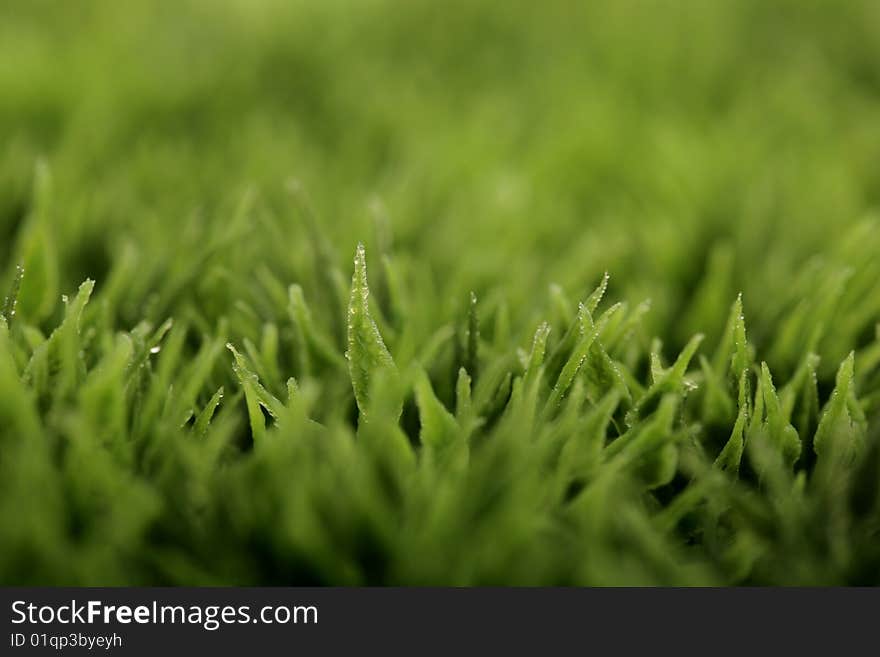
x,y
221,402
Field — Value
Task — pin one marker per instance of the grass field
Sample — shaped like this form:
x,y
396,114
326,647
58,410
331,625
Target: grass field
x,y
316,292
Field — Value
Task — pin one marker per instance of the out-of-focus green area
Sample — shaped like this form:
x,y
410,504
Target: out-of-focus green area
x,y
694,150
512,144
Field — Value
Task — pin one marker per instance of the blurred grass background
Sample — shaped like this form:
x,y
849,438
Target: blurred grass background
x,y
693,149
511,144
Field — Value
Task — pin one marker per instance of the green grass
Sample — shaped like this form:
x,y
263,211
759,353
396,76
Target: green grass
x,y
345,317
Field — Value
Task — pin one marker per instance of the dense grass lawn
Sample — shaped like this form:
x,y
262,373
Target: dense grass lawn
x,y
316,292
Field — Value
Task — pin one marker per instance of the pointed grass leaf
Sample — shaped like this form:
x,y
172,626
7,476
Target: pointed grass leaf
x,y
438,426
58,361
578,355
595,298
472,339
203,421
11,300
366,350
256,396
780,432
840,436
731,456
536,356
